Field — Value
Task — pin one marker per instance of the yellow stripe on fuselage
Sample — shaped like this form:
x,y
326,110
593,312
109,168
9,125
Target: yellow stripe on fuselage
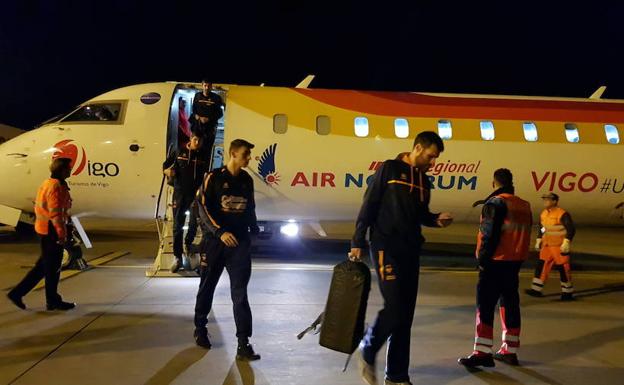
x,y
302,112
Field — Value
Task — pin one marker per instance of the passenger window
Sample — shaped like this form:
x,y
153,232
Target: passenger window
x,y
445,129
401,128
572,134
280,123
361,127
612,133
323,125
530,131
97,112
487,130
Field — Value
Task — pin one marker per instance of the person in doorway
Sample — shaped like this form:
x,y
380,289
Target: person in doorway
x,y
554,237
187,169
396,205
502,247
227,211
208,104
52,214
207,110
184,127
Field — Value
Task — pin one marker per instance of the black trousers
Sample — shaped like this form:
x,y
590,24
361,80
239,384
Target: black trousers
x,y
183,203
498,284
48,266
397,268
215,256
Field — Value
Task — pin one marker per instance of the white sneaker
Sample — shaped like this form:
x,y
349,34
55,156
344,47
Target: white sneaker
x,y
367,371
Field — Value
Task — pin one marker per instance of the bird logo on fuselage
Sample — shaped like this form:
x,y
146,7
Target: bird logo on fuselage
x,y
266,166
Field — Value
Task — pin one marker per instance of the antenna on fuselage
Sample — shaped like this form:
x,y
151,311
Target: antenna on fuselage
x,y
305,83
598,93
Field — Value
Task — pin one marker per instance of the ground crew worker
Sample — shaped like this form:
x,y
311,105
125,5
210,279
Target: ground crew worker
x,y
554,236
502,246
227,212
51,211
207,110
187,169
395,206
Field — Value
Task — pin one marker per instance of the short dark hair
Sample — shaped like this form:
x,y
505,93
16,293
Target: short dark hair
x,y
205,80
427,138
238,143
59,164
503,177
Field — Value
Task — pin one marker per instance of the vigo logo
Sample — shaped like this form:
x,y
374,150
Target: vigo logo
x,y
266,165
65,149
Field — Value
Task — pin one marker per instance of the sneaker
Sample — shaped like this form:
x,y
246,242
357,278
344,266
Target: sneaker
x,y
17,300
62,305
567,297
175,266
367,371
245,352
534,293
508,358
475,360
201,338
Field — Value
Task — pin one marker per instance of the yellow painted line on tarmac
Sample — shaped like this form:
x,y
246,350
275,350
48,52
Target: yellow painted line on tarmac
x,y
92,263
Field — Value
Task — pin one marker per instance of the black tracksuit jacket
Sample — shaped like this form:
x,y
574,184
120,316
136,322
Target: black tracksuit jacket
x,y
226,204
189,170
395,206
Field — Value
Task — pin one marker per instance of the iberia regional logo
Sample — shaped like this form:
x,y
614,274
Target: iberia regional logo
x,y
66,149
266,166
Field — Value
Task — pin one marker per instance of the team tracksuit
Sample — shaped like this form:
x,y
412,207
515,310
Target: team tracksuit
x,y
226,204
395,206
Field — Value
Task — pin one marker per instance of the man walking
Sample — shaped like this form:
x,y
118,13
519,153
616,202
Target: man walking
x,y
554,236
52,213
187,169
502,246
227,212
395,206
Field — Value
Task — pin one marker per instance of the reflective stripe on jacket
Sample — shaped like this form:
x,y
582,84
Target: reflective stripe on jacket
x,y
51,206
553,230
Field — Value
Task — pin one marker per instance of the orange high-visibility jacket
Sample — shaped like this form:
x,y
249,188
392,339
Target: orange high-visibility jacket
x,y
553,231
52,205
515,231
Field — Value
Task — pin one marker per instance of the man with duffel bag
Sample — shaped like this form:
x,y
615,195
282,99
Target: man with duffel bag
x,y
395,206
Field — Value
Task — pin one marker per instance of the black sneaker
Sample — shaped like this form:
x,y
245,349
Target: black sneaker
x,y
17,301
246,353
567,297
61,306
475,360
508,358
175,266
201,338
534,293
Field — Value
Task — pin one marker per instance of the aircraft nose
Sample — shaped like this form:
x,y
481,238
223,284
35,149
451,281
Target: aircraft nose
x,y
15,175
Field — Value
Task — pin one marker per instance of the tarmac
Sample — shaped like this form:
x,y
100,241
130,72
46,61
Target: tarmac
x,y
132,329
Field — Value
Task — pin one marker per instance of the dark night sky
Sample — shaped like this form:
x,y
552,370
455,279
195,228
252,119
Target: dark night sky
x,y
56,54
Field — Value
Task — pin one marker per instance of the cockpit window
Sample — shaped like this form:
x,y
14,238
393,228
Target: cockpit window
x,y
110,112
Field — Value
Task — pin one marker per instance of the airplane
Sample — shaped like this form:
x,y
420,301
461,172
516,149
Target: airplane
x,y
316,150
7,132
